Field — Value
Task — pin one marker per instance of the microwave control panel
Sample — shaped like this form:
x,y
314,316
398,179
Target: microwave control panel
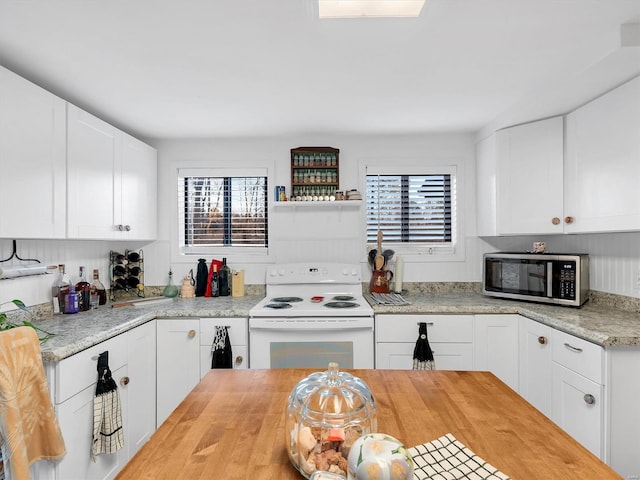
x,y
567,276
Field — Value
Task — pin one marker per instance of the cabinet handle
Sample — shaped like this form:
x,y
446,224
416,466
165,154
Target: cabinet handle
x,y
429,324
127,228
119,227
572,348
542,340
124,381
555,220
239,360
191,334
568,219
589,399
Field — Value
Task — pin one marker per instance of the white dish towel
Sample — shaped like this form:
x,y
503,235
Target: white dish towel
x,y
447,459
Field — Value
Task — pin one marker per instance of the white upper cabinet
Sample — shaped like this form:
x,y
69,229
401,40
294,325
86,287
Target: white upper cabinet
x,y
32,160
529,183
94,147
603,162
486,187
138,190
111,181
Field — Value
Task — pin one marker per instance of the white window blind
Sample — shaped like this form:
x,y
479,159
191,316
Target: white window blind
x,y
228,211
410,208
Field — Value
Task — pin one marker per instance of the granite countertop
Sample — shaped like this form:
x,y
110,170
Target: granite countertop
x,y
602,325
74,333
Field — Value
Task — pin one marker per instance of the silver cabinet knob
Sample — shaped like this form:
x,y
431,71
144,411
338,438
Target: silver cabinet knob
x,y
127,228
120,227
124,381
239,360
589,399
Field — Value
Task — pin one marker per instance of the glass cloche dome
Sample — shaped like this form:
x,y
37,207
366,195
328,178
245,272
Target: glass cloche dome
x,y
326,413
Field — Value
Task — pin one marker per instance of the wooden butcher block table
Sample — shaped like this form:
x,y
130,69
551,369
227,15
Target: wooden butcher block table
x,y
231,426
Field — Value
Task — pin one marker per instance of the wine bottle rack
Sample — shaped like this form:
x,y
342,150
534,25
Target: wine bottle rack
x,y
126,274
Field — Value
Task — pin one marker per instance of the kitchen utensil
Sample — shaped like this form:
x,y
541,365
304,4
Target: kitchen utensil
x,y
372,258
387,254
379,258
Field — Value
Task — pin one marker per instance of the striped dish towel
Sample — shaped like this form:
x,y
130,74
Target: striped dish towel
x,y
447,459
108,435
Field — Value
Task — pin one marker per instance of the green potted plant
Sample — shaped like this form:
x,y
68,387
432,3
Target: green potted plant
x,y
5,324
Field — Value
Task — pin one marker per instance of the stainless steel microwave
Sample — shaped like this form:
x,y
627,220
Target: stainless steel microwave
x,y
561,279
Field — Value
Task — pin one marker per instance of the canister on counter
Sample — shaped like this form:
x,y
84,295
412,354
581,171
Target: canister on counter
x,y
237,284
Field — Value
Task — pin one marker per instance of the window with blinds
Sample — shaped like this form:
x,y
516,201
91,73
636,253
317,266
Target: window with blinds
x,y
410,208
223,211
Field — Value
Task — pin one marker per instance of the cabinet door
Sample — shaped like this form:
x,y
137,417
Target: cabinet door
x,y
603,163
136,192
496,347
33,157
141,388
93,147
535,364
486,171
447,356
178,353
75,416
577,408
530,177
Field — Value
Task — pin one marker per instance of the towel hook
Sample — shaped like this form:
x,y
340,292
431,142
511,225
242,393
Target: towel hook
x,y
15,254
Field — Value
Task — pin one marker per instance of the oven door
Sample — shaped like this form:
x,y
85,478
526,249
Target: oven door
x,y
301,342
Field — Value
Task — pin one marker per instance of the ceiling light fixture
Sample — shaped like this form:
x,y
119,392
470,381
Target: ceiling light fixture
x,y
369,8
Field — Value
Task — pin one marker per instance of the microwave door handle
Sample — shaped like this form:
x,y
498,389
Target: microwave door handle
x,y
549,279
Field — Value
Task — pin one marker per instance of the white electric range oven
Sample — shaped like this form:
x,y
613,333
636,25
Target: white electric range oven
x,y
313,314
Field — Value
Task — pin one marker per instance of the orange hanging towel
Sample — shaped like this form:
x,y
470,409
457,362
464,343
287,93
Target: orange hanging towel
x,y
29,430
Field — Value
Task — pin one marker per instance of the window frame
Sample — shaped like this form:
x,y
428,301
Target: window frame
x,y
182,252
421,252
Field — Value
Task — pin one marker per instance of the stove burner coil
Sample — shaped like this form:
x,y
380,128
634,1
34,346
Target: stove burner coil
x,y
278,306
341,304
343,298
286,299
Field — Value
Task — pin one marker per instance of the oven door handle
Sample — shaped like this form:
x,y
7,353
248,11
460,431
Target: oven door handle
x,y
304,326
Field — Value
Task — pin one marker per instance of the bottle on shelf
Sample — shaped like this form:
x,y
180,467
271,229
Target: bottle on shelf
x,y
72,301
224,279
215,282
97,290
59,289
83,288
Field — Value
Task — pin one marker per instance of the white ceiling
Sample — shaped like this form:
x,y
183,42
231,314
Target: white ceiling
x,y
226,68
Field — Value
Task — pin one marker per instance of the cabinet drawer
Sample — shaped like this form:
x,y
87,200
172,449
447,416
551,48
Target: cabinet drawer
x,y
440,328
578,355
77,372
447,356
238,330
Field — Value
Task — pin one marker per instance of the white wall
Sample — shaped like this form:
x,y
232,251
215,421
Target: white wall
x,y
320,234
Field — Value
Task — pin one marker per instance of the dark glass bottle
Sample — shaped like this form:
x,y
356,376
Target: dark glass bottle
x,y
83,288
215,282
224,278
97,288
59,289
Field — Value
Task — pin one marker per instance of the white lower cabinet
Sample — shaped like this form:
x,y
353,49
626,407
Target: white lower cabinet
x,y
496,347
577,407
178,362
73,382
238,336
535,361
450,338
184,356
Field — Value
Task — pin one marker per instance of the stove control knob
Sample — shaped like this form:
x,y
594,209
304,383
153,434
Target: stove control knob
x,y
354,272
345,271
281,272
273,273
